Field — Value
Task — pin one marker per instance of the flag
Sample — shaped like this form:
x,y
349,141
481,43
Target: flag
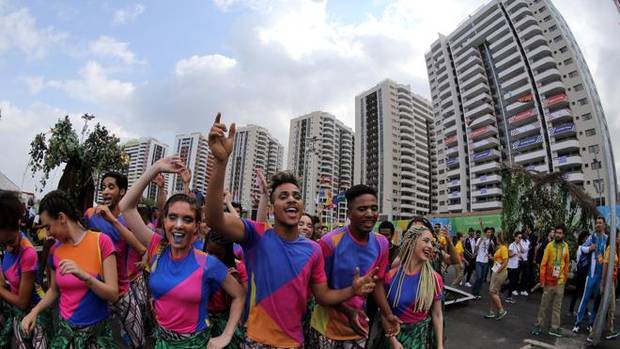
x,y
329,201
527,98
339,198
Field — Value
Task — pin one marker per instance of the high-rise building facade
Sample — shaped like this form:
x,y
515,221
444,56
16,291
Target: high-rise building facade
x,y
392,148
254,148
511,87
320,154
193,148
143,153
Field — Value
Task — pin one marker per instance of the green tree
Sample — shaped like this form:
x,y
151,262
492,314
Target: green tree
x,y
84,160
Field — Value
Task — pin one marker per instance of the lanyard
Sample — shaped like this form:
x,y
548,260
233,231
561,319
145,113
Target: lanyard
x,y
558,258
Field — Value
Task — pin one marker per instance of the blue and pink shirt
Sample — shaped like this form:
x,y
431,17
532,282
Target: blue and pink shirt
x,y
280,273
14,264
220,301
343,254
98,223
405,308
181,288
78,304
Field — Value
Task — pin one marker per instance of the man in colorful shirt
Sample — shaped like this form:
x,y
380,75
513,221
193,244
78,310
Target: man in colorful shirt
x,y
345,250
594,247
107,219
283,268
553,276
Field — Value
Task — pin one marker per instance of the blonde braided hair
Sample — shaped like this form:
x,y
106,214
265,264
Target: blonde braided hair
x,y
428,284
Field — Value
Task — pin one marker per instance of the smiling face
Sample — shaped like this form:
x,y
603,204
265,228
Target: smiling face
x,y
111,192
180,225
56,228
305,226
287,204
423,249
364,212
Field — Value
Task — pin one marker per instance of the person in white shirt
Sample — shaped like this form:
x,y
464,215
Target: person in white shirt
x,y
484,246
515,255
525,264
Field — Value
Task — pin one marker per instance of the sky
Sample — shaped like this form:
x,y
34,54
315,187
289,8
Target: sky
x,y
160,68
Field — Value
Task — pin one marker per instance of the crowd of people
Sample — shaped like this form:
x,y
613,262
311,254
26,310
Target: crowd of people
x,y
193,273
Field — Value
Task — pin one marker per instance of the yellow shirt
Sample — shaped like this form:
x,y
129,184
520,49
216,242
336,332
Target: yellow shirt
x,y
606,261
501,255
459,248
442,240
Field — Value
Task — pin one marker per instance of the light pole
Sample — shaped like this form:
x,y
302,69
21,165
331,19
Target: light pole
x,y
86,117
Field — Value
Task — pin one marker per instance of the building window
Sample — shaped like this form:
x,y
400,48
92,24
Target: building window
x,y
593,149
583,101
578,87
590,132
563,49
547,19
568,61
596,165
553,27
557,38
586,117
573,74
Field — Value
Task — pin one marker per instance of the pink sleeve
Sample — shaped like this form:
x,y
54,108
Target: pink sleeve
x,y
318,268
439,291
29,260
327,248
152,247
243,273
384,254
106,246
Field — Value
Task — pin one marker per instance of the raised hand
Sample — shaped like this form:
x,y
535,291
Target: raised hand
x,y
221,145
170,164
365,284
227,197
159,181
186,175
262,182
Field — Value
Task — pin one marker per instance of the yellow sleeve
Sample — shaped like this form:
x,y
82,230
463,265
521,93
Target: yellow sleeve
x,y
543,264
504,253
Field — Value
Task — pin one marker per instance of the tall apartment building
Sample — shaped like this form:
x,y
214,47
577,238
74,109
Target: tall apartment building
x,y
193,148
254,148
392,148
510,86
143,153
320,154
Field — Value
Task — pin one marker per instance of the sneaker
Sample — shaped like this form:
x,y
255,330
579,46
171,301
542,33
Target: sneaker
x,y
510,300
524,293
589,340
490,315
589,329
576,329
515,293
467,284
536,331
556,332
502,314
611,335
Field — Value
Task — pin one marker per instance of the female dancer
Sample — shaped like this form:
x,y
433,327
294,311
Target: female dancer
x,y
83,278
181,279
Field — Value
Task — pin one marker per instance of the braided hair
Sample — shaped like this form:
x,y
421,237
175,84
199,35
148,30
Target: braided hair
x,y
428,284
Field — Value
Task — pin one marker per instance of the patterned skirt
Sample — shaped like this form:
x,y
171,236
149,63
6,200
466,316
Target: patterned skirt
x,y
165,339
97,336
10,327
413,336
218,324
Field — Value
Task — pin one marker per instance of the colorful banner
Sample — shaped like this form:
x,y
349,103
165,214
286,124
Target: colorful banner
x,y
555,99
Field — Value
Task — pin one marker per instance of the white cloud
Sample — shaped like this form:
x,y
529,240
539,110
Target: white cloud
x,y
95,86
19,32
34,83
204,64
106,46
128,14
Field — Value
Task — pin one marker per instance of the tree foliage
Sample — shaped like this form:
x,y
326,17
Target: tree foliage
x,y
543,200
84,161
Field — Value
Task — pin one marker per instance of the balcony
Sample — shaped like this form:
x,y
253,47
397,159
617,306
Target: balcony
x,y
575,177
485,144
517,93
469,62
567,161
522,118
477,78
538,52
486,155
521,104
487,192
516,5
530,32
517,81
570,144
526,158
518,14
452,162
453,173
482,132
538,168
511,72
450,131
498,36
527,143
525,21
544,63
487,179
455,208
477,100
470,72
525,131
452,151
548,75
534,41
486,167
560,115
480,110
454,183
486,205
512,59
484,120
454,195
475,90
505,52
556,101
566,129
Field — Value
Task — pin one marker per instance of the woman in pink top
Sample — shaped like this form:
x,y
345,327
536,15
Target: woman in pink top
x,y
181,278
83,278
17,271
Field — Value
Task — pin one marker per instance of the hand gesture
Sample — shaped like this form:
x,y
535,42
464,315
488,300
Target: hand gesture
x,y
186,175
104,211
264,189
221,145
219,342
391,325
28,323
67,266
159,181
227,197
170,164
365,284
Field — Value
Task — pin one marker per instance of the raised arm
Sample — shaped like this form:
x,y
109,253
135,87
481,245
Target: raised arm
x,y
129,203
125,233
262,214
221,146
160,182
